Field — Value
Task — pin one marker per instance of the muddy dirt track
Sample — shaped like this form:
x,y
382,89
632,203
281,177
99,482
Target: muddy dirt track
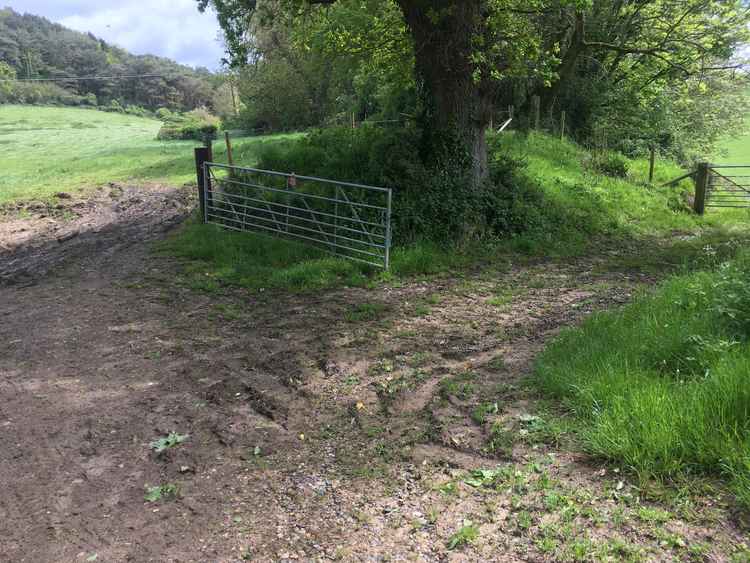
x,y
312,433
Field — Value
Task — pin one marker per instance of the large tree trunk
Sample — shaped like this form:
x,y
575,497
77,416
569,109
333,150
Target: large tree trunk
x,y
457,108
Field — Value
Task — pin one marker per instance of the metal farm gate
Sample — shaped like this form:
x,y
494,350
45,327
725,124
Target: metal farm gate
x,y
728,188
349,220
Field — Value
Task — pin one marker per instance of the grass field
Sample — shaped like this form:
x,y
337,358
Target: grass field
x,y
734,151
50,149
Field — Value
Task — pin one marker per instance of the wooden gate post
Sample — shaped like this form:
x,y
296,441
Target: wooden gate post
x,y
230,156
651,161
536,104
701,187
202,155
562,125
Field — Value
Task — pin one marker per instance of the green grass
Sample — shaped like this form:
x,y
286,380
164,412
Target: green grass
x,y
52,149
168,442
161,492
592,205
46,150
662,385
467,534
734,151
216,258
365,312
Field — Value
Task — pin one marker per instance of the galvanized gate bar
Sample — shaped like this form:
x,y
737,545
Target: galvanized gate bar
x,y
347,219
726,189
297,176
299,218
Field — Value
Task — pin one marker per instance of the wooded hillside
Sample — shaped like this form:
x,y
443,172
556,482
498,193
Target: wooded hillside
x,y
33,47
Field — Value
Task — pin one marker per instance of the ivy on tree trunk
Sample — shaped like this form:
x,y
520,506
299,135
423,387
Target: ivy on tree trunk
x,y
456,109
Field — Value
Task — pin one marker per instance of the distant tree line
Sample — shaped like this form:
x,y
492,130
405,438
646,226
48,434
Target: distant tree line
x,y
32,47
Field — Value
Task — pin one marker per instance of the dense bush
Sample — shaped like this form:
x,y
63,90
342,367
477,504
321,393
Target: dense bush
x,y
115,107
434,204
610,164
198,125
538,197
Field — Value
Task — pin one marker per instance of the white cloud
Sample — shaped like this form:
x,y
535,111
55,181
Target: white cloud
x,y
169,28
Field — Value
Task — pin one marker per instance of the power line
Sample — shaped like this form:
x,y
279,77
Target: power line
x,y
82,78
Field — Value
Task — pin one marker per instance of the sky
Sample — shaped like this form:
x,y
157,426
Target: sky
x,y
169,28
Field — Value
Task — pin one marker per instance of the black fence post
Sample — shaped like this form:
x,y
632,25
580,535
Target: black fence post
x,y
202,155
701,187
562,125
651,163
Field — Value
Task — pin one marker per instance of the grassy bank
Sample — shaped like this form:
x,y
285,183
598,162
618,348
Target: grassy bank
x,y
662,385
593,203
53,149
578,208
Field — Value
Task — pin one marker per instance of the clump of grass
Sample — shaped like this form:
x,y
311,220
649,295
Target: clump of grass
x,y
255,261
482,410
661,385
489,478
160,492
168,442
500,441
460,386
366,312
467,534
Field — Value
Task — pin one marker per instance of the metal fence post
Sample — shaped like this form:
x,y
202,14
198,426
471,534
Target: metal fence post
x,y
701,187
336,218
388,234
201,157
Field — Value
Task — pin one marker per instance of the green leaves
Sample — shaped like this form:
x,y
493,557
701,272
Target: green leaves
x,y
487,477
467,534
167,442
154,494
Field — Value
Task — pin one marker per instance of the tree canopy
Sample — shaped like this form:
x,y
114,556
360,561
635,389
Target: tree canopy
x,y
623,70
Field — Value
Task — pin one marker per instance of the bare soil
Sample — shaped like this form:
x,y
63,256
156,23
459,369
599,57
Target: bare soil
x,y
38,236
311,435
